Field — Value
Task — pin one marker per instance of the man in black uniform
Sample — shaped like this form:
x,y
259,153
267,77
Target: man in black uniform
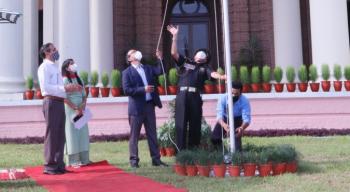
x,y
188,107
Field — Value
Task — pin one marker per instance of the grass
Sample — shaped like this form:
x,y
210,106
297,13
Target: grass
x,y
324,166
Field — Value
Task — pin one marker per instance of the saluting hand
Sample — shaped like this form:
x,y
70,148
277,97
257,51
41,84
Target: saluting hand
x,y
174,30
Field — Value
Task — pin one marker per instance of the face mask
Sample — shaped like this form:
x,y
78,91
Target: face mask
x,y
235,99
73,68
55,56
138,55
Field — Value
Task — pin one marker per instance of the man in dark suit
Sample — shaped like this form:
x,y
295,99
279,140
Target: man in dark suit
x,y
139,84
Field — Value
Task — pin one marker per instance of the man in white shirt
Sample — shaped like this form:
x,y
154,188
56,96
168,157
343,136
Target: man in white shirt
x,y
54,92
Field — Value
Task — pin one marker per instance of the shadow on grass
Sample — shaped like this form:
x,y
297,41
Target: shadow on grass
x,y
25,183
309,167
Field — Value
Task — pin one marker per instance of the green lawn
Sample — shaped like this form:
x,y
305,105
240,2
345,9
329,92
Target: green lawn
x,y
324,166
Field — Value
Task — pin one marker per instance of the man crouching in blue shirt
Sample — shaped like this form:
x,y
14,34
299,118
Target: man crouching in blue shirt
x,y
241,114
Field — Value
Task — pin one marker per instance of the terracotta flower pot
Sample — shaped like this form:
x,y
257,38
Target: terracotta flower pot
x,y
219,170
249,169
291,87
162,151
302,87
105,91
221,88
172,89
255,87
315,87
180,169
38,94
87,91
278,87
347,85
246,88
234,170
266,87
170,151
29,94
279,168
115,91
292,167
161,90
326,85
95,91
191,170
337,85
203,170
265,170
209,88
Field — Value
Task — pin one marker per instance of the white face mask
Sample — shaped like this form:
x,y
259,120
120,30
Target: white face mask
x,y
73,68
138,55
200,55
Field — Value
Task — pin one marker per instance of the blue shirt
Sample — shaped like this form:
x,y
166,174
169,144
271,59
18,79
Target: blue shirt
x,y
141,71
240,108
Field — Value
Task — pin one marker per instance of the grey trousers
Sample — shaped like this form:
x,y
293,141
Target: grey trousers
x,y
148,119
55,138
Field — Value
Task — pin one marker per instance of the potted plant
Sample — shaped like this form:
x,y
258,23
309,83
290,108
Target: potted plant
x,y
209,87
29,93
202,161
302,75
278,157
249,163
278,74
347,77
217,162
189,158
264,165
290,73
325,84
38,90
163,133
337,75
256,80
235,168
234,73
244,77
266,76
105,82
180,160
84,76
94,90
161,84
115,82
313,77
173,78
220,86
291,159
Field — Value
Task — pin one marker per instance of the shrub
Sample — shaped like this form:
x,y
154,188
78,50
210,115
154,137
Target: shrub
x,y
208,82
278,74
216,158
244,74
249,157
255,74
266,74
337,72
173,77
325,72
234,73
29,82
302,74
264,157
84,76
105,79
161,80
202,157
236,159
290,74
347,72
115,78
94,78
313,73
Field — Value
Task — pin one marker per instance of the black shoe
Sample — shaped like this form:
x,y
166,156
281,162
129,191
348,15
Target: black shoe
x,y
159,163
49,172
134,165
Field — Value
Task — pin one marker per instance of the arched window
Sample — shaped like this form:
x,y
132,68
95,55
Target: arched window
x,y
192,16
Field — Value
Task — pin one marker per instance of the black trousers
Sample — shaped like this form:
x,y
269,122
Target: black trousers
x,y
217,134
188,117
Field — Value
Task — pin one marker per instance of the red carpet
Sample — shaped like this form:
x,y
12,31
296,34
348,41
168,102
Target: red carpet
x,y
97,177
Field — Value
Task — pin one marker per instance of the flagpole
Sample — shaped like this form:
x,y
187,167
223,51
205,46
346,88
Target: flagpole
x,y
228,73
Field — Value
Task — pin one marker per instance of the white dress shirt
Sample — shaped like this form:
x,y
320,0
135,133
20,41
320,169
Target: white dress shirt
x,y
50,79
141,72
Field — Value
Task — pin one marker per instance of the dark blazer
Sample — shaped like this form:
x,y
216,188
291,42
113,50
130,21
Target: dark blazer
x,y
134,88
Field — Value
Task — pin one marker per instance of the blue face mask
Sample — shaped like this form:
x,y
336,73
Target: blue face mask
x,y
55,56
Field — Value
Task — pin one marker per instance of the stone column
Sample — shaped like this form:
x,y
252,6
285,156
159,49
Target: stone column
x,y
50,21
287,34
101,35
11,50
73,32
30,38
329,33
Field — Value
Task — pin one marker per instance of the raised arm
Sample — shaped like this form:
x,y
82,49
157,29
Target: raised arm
x,y
174,30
